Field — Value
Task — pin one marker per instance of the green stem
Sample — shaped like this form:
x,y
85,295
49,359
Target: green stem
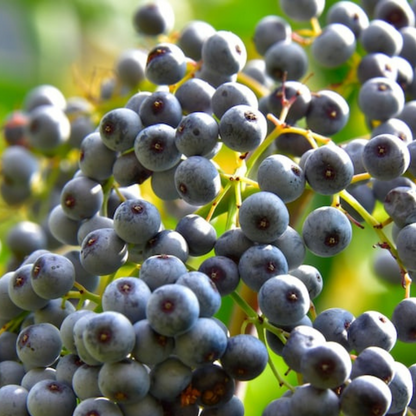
x,y
14,324
248,310
273,135
280,333
280,379
385,241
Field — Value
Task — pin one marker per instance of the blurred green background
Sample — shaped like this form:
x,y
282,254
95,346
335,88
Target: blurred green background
x,y
73,44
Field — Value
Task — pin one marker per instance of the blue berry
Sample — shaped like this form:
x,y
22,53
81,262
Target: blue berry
x,y
259,263
13,400
328,113
103,252
119,127
154,18
136,221
109,336
127,295
245,357
230,94
162,269
192,37
282,176
284,299
374,361
195,95
263,217
85,381
334,46
301,338
365,395
386,157
169,378
286,60
125,381
81,198
197,180
328,169
224,52
326,366
381,36
165,64
98,405
333,323
47,397
309,400
403,320
268,31
155,147
205,290
326,231
372,328
204,343
302,10
172,309
242,128
39,345
53,275
151,347
197,134
160,107
199,234
381,98
223,271
349,14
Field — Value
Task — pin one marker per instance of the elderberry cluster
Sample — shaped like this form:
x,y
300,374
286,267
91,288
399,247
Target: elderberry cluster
x,y
133,225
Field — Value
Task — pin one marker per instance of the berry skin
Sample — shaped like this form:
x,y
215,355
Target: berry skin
x,y
52,276
403,320
242,128
260,263
136,221
286,60
197,180
109,336
103,252
47,397
334,46
328,112
39,345
372,328
224,52
172,309
119,127
366,395
381,98
280,175
165,64
263,217
155,148
326,231
328,169
245,357
326,366
284,299
302,10
386,157
154,18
